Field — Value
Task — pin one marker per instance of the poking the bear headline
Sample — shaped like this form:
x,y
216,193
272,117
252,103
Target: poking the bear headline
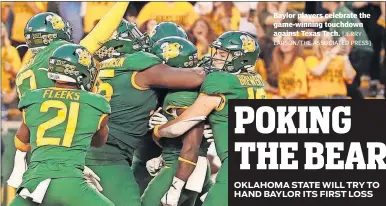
x,y
312,120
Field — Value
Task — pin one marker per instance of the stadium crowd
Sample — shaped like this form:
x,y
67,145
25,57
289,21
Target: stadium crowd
x,y
291,71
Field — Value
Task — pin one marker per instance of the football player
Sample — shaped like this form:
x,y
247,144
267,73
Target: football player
x,y
60,123
44,33
147,149
128,76
234,52
182,153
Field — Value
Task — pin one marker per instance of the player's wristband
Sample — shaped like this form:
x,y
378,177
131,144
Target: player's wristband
x,y
155,131
187,161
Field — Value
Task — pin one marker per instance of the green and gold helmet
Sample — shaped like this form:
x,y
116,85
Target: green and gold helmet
x,y
126,39
243,48
176,52
72,63
166,29
44,28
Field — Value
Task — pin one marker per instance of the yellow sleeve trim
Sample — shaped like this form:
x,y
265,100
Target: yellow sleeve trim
x,y
174,107
187,161
381,22
107,73
222,103
23,113
21,145
155,131
134,84
100,120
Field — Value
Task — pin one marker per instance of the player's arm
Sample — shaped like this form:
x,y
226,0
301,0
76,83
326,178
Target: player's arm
x,y
164,76
196,113
105,27
22,138
190,148
187,163
100,137
189,152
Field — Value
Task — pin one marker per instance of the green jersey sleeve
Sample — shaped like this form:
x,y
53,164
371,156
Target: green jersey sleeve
x,y
218,83
30,98
140,61
97,101
179,99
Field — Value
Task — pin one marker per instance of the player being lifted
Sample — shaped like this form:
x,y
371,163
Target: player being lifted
x,y
44,33
179,52
234,53
60,123
128,76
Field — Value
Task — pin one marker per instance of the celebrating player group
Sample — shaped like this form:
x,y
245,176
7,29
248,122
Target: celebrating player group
x,y
145,103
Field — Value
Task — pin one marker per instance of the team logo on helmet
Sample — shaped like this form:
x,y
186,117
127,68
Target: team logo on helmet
x,y
170,50
56,21
249,44
84,57
153,31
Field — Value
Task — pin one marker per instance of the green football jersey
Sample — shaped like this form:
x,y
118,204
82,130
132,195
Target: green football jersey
x,y
33,75
178,99
229,86
131,105
62,123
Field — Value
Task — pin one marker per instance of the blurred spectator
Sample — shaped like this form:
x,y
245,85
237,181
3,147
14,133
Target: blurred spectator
x,y
131,14
181,13
202,35
224,17
246,10
328,69
147,26
53,7
5,10
10,62
7,16
94,10
290,70
203,8
374,33
360,54
22,12
70,11
261,69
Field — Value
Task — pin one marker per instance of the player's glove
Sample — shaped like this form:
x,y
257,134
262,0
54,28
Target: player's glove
x,y
154,165
172,196
157,119
208,133
92,179
19,167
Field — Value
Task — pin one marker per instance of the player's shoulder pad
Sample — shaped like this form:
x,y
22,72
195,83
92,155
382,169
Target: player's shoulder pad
x,y
95,100
218,83
140,61
180,99
30,97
